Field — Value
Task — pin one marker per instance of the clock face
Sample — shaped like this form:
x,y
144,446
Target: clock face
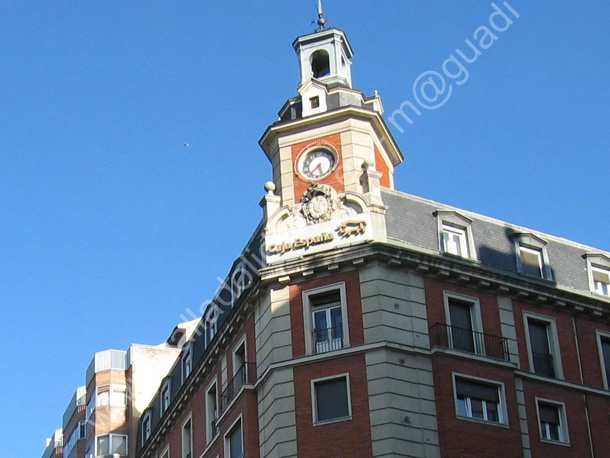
x,y
317,164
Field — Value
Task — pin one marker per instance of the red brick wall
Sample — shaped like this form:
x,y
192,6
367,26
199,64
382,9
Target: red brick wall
x,y
435,304
599,419
589,350
354,308
382,166
335,179
350,438
466,438
247,406
577,420
248,328
565,332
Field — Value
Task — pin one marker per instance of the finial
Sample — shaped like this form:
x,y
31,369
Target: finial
x,y
321,20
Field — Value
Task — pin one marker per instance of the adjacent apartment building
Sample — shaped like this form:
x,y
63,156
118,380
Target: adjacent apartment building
x,y
104,413
362,321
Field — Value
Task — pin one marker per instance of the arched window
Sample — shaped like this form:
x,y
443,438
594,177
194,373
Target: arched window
x,y
320,64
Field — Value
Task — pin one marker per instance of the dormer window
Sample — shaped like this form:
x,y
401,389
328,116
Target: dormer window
x,y
532,258
320,64
146,427
187,363
166,396
598,270
314,102
455,234
211,323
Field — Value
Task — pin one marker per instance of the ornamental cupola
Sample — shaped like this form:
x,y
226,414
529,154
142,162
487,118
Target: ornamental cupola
x,y
331,151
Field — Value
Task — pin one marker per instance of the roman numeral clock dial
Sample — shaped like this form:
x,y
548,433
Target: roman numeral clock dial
x,y
316,164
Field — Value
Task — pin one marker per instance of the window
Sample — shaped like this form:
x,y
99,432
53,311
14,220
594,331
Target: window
x,y
240,377
166,395
78,433
543,350
331,399
464,318
314,101
603,341
82,429
146,427
325,310
91,404
601,280
455,234
532,258
454,240
552,421
111,395
187,439
90,453
165,453
211,410
479,400
211,323
187,363
111,444
598,269
234,446
240,279
531,261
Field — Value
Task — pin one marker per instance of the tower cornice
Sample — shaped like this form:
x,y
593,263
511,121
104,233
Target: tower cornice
x,y
275,131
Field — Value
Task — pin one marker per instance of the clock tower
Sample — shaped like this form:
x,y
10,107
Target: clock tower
x,y
331,153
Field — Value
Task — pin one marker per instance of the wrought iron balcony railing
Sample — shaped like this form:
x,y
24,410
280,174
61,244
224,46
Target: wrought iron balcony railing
x,y
329,339
245,375
543,364
474,342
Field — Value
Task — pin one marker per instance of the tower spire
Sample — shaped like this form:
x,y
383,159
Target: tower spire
x,y
321,19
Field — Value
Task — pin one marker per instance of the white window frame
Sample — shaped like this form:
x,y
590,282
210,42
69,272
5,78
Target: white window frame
x,y
475,317
603,335
314,402
165,452
146,434
189,420
532,243
227,439
187,358
208,423
452,221
111,436
502,408
308,314
600,262
167,385
564,436
113,388
553,341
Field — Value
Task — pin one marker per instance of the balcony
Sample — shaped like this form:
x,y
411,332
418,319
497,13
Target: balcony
x,y
244,376
543,364
477,343
329,339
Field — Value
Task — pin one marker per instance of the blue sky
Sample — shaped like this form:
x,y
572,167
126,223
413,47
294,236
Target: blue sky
x,y
111,227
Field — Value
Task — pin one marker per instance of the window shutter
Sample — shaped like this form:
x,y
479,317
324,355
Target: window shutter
x,y
331,399
548,414
477,390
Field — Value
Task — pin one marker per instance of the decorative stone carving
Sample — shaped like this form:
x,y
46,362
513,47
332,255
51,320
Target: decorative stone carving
x,y
320,203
